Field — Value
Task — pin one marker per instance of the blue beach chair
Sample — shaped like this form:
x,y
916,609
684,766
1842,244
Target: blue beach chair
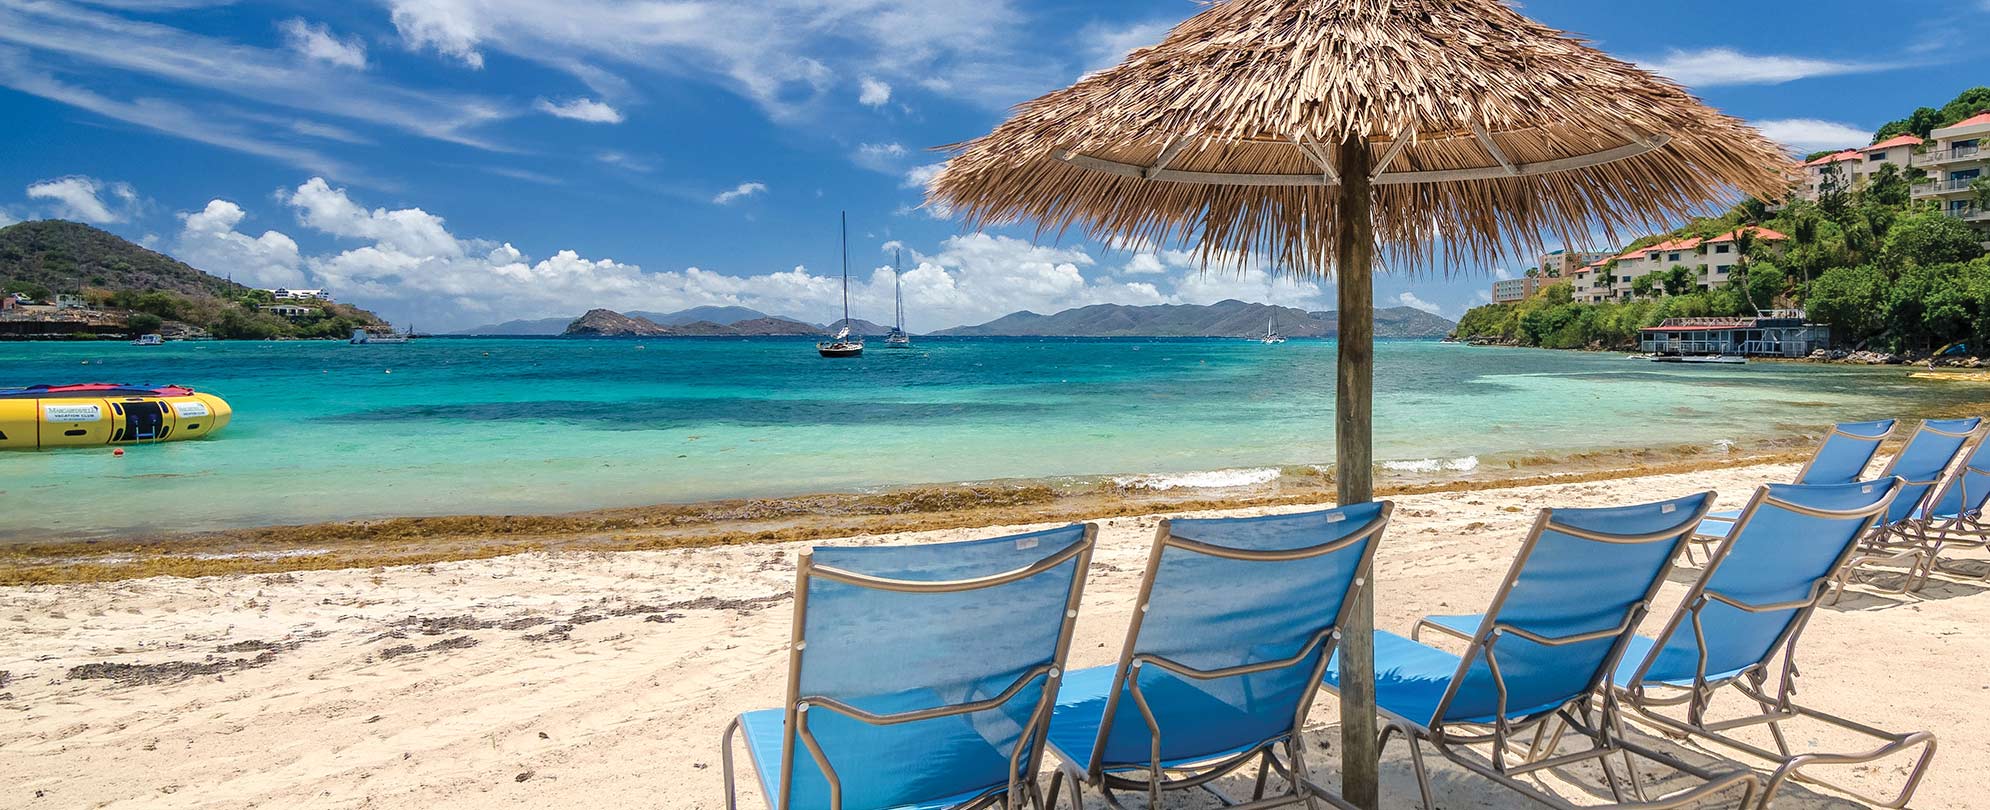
x,y
1842,459
919,677
1740,624
1232,630
1955,517
1543,654
1901,536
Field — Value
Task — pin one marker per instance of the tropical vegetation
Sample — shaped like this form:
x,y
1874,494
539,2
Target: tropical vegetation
x,y
1886,272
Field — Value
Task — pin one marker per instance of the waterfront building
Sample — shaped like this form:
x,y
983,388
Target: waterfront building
x,y
1711,261
1775,333
1565,263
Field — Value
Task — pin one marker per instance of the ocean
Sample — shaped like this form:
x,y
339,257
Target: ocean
x,y
328,431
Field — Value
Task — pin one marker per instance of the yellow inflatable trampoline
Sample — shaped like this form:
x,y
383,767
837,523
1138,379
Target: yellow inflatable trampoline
x,y
105,413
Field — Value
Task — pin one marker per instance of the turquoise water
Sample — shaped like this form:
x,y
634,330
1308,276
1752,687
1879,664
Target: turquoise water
x,y
328,431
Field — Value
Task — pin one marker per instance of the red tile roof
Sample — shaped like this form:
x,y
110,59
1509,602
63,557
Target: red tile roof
x,y
1763,234
1836,157
1983,118
1898,140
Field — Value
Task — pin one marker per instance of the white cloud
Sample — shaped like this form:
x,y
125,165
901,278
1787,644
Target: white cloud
x,y
740,192
1410,299
59,50
1713,67
316,41
80,198
919,176
1811,134
624,160
1502,274
784,55
208,240
872,92
1105,45
882,157
7,218
1145,264
580,109
406,264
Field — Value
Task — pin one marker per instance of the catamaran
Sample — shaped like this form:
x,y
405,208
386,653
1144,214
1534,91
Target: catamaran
x,y
897,338
1271,334
843,344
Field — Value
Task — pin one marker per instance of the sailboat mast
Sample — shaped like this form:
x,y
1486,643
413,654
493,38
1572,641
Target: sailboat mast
x,y
846,268
898,287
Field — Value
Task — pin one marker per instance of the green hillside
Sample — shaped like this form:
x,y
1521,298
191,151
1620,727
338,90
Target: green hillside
x,y
1886,271
150,291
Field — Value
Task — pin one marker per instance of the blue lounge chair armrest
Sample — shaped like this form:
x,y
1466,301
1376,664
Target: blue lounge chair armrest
x,y
1461,626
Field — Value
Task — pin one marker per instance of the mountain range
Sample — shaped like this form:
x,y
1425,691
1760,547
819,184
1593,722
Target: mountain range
x,y
714,315
608,323
1231,318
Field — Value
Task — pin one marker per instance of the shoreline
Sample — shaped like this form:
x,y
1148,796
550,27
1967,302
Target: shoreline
x,y
759,521
533,680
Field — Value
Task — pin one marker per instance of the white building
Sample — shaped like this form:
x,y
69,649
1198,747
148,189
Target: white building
x,y
1957,157
282,294
1711,261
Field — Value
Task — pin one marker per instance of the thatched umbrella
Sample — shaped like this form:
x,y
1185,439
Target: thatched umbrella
x,y
1309,133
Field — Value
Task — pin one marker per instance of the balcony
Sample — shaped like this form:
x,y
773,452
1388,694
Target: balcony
x,y
1969,214
1940,187
1958,154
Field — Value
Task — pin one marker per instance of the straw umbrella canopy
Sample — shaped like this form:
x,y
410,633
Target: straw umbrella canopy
x,y
1312,134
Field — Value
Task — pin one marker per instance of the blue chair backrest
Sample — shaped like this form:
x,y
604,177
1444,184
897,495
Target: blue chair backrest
x,y
1845,453
1785,547
1229,593
1584,571
882,646
1969,485
1923,464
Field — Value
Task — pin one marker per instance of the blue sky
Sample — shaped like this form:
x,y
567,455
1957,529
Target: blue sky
x,y
456,162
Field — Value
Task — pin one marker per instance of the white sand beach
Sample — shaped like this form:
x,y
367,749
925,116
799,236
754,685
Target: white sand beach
x,y
604,679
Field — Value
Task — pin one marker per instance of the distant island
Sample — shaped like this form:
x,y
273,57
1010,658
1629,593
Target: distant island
x,y
69,280
697,322
1232,319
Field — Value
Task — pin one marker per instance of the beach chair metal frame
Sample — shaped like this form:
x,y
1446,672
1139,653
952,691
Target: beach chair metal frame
x,y
1965,528
1777,705
1908,540
1593,715
1200,775
1022,790
1803,474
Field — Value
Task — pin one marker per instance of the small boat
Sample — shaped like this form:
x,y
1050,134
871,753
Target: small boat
x,y
361,337
1271,335
897,338
1701,360
843,344
106,413
149,340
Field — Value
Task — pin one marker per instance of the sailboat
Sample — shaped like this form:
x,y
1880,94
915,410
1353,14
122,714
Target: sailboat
x,y
1271,335
843,344
897,338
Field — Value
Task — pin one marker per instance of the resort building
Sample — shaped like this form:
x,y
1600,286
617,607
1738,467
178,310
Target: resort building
x,y
1775,333
291,311
1515,290
1851,168
1565,263
282,294
1711,261
69,301
8,302
1954,160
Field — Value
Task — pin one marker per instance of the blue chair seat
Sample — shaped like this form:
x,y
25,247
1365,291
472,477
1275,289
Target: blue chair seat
x,y
762,730
1081,706
1671,670
1411,679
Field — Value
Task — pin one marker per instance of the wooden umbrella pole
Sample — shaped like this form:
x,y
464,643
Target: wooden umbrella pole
x,y
1354,254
